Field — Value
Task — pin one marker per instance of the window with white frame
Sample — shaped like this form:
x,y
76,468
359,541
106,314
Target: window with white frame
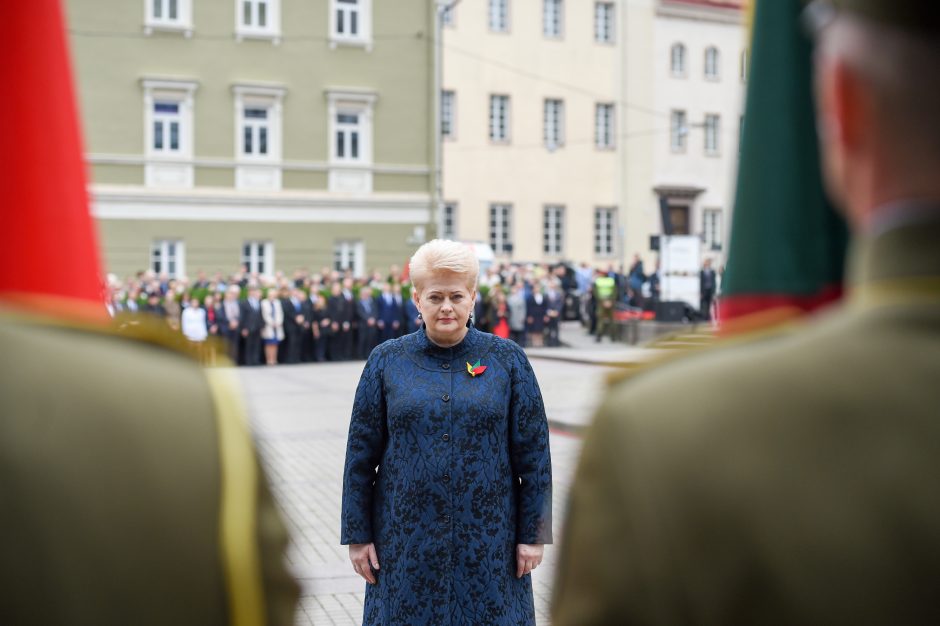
x,y
348,130
500,228
168,132
604,22
499,118
449,221
258,18
677,59
605,225
351,21
258,136
744,65
552,17
711,229
554,123
677,131
256,131
448,17
712,134
448,129
553,221
168,15
712,63
168,256
258,257
349,255
499,15
604,126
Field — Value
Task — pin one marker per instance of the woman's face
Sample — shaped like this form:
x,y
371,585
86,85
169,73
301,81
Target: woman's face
x,y
445,303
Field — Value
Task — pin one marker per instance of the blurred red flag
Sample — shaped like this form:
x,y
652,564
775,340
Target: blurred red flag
x,y
50,247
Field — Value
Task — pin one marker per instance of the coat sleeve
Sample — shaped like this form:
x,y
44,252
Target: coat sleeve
x,y
529,451
366,443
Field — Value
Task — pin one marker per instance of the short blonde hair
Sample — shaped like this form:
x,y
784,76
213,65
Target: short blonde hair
x,y
443,255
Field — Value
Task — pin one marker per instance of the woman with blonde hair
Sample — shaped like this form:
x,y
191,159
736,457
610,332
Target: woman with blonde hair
x,y
272,312
447,484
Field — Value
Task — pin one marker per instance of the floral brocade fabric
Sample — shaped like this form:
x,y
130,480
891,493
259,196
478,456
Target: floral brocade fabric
x,y
446,473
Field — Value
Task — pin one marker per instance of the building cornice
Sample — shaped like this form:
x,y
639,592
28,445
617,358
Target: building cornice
x,y
169,83
723,13
351,94
230,163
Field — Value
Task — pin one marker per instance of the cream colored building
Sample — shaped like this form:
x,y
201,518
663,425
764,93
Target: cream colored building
x,y
558,118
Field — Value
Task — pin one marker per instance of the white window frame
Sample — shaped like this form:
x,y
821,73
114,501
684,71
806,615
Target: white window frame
x,y
712,233
712,127
712,63
160,252
500,228
498,16
259,171
604,22
272,15
605,230
553,19
604,126
677,60
449,220
182,23
678,131
449,15
500,118
166,168
347,174
363,11
261,252
553,230
350,254
553,123
448,114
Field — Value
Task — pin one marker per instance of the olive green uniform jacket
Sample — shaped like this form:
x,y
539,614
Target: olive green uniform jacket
x,y
129,489
795,480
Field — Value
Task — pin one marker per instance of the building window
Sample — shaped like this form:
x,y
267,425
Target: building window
x,y
449,221
499,16
168,132
258,18
605,223
552,17
712,63
258,257
168,15
711,229
256,130
500,228
448,17
351,22
167,256
604,126
712,134
499,118
553,220
554,123
348,131
604,22
677,131
448,130
677,60
744,65
258,135
349,255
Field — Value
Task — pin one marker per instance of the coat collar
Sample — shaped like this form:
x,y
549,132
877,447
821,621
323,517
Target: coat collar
x,y
469,343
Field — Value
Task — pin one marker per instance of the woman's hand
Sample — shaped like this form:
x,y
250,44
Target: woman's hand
x,y
364,560
528,557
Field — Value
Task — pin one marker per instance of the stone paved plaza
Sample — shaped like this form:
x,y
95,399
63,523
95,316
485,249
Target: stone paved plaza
x,y
300,417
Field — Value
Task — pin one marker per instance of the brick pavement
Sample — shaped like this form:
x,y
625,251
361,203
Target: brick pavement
x,y
300,417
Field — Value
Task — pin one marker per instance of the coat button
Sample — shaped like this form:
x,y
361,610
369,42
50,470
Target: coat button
x,y
446,366
446,478
445,519
446,437
445,398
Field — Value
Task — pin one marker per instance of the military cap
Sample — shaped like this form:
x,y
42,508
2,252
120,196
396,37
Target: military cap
x,y
915,16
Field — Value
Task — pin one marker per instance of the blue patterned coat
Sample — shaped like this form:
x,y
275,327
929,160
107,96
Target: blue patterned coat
x,y
446,473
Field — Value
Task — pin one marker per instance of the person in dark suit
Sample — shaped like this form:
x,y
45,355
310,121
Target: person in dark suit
x,y
792,479
229,324
250,324
707,285
412,316
479,313
536,315
296,324
340,316
555,304
391,314
366,316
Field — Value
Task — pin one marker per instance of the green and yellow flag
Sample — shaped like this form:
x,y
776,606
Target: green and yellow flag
x,y
787,243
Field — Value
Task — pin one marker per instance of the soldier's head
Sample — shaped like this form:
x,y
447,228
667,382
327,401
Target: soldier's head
x,y
878,101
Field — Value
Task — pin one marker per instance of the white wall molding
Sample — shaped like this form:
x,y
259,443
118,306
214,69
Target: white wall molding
x,y
228,163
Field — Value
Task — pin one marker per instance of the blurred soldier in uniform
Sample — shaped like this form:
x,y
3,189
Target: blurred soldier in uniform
x,y
605,291
117,507
793,480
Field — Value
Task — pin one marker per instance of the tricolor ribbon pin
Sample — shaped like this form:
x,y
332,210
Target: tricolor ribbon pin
x,y
476,369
